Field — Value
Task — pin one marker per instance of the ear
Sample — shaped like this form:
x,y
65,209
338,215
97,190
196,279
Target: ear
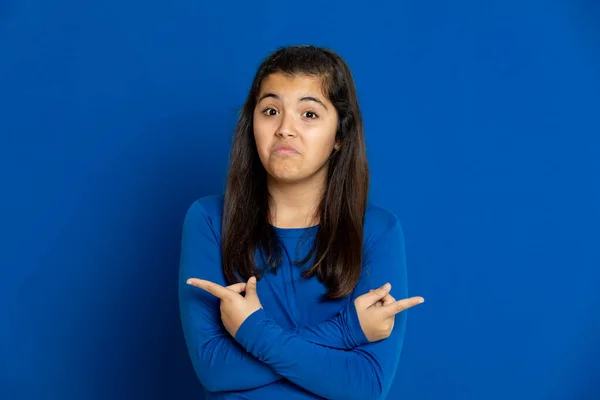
x,y
337,145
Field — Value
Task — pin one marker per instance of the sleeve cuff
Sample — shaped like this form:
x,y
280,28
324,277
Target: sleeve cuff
x,y
259,335
250,328
354,327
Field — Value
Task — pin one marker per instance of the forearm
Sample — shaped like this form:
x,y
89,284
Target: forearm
x,y
356,374
219,362
340,332
216,357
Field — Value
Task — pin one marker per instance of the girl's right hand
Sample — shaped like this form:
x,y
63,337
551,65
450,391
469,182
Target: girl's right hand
x,y
377,310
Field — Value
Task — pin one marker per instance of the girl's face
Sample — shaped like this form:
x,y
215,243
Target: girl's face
x,y
294,128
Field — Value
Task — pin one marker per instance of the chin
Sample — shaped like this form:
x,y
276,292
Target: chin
x,y
286,177
294,174
289,177
284,173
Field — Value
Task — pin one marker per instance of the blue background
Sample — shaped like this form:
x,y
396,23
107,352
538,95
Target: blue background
x,y
482,130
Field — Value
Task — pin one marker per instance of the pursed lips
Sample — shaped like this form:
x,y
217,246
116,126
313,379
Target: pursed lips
x,y
285,149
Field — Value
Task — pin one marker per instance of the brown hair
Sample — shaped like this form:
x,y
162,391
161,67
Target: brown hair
x,y
339,239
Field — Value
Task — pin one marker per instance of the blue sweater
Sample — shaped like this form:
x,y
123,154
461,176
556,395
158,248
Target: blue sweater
x,y
297,346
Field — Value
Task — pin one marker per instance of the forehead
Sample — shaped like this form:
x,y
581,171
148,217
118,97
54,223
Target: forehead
x,y
283,84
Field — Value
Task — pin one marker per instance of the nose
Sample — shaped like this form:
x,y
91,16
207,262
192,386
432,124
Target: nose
x,y
286,128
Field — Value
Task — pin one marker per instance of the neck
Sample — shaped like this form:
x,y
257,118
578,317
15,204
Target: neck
x,y
294,205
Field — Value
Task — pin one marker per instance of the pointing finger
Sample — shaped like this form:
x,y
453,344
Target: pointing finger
x,y
211,287
401,305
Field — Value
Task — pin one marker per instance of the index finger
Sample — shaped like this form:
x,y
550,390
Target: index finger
x,y
213,288
401,305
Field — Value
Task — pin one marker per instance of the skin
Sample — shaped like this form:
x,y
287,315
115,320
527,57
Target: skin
x,y
292,111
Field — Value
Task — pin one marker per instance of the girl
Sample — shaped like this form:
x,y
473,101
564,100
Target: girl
x,y
289,257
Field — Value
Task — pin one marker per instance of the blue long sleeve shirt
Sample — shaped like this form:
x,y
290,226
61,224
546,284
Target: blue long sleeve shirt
x,y
297,346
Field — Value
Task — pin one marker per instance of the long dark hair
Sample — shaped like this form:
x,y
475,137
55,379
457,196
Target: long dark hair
x,y
339,239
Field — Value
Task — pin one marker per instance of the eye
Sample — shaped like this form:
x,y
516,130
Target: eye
x,y
310,115
269,111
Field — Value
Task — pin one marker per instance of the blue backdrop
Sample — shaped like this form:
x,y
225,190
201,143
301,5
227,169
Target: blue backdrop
x,y
482,125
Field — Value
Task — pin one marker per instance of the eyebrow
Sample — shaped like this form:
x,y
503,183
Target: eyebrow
x,y
305,98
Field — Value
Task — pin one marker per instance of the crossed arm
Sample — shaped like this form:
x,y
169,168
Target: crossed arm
x,y
262,352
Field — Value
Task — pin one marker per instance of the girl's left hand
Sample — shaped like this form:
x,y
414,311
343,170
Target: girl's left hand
x,y
235,308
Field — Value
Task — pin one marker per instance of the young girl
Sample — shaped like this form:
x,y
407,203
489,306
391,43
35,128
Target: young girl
x,y
294,263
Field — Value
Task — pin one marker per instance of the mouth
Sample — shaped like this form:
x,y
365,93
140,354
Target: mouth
x,y
285,150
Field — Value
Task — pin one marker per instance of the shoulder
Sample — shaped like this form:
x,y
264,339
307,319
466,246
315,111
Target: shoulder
x,y
211,205
379,221
384,252
381,225
206,213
